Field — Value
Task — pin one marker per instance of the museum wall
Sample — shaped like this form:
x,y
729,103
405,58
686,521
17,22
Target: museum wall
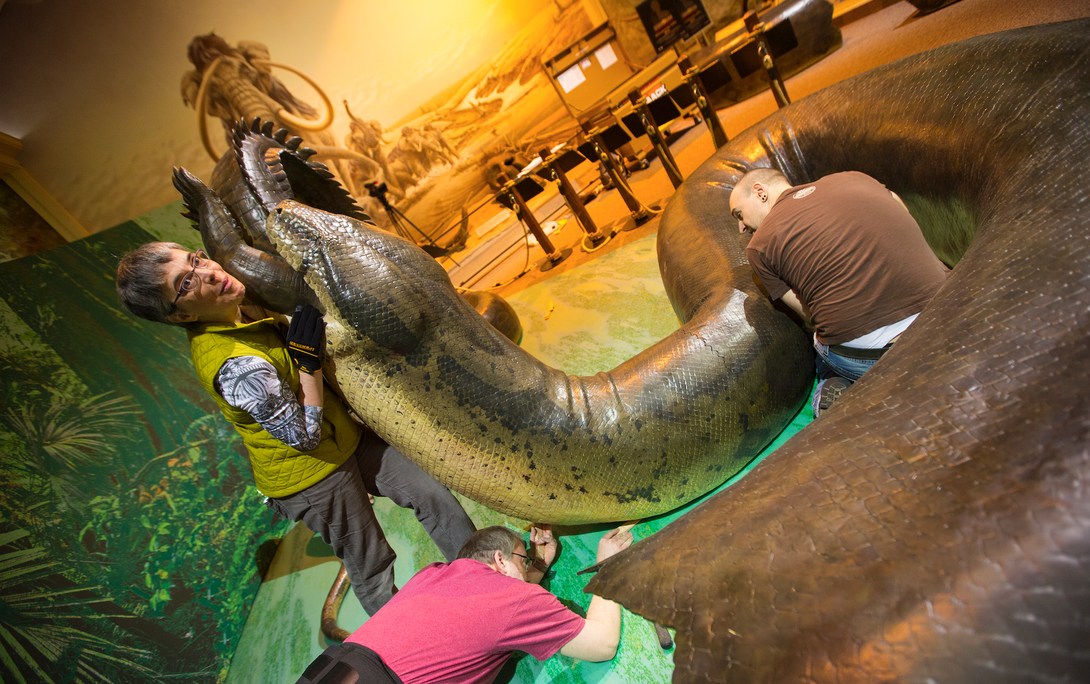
x,y
633,36
95,90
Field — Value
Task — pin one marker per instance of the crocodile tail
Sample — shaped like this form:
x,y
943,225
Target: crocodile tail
x,y
210,216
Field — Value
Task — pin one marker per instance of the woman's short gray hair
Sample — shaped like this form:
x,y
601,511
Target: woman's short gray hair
x,y
140,276
483,544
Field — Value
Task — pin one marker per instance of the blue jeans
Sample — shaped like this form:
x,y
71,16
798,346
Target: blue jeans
x,y
827,362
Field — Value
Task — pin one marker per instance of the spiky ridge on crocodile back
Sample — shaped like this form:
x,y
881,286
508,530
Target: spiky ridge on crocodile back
x,y
275,168
232,182
259,169
250,181
495,424
934,524
309,181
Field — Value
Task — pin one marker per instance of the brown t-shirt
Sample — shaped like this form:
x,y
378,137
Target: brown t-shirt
x,y
851,252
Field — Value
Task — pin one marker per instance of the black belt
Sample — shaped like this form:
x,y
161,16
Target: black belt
x,y
859,354
348,658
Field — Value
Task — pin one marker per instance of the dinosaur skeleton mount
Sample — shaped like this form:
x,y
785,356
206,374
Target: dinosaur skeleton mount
x,y
237,83
297,122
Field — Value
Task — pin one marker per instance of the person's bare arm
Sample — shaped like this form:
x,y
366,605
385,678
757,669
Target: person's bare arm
x,y
792,300
311,391
601,633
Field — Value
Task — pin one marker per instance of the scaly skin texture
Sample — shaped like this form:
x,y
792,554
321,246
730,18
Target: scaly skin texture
x,y
264,169
246,188
495,424
934,524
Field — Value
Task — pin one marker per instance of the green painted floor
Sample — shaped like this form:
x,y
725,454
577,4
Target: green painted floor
x,y
584,321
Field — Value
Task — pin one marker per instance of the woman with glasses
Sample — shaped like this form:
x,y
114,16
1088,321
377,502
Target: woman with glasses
x,y
310,459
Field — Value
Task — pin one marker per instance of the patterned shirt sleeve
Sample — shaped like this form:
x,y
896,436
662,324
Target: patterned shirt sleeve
x,y
251,384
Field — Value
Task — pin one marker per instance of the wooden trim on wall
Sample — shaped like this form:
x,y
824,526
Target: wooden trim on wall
x,y
9,152
24,185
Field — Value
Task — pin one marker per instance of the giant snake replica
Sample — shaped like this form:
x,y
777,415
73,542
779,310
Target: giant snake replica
x,y
934,525
418,364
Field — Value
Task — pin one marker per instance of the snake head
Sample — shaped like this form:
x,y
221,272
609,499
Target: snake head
x,y
383,287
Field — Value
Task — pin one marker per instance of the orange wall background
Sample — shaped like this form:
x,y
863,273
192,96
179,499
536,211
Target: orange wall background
x,y
92,89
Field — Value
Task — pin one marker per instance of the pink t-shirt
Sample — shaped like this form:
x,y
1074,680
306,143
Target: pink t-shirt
x,y
459,622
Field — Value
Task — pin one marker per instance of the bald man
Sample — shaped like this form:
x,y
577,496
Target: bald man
x,y
846,255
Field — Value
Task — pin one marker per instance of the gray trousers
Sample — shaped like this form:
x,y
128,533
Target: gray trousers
x,y
337,508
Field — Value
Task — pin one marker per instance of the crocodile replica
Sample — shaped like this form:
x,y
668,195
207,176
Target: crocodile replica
x,y
263,169
934,524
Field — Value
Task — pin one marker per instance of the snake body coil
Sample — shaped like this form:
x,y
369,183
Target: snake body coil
x,y
497,425
934,524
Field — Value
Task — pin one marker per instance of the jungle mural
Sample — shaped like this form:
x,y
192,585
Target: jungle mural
x,y
130,529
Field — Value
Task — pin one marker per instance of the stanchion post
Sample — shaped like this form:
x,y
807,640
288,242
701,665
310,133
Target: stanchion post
x,y
647,120
703,103
756,28
552,255
596,237
640,213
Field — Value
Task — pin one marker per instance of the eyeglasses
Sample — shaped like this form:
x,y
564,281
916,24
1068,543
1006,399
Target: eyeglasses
x,y
529,561
191,280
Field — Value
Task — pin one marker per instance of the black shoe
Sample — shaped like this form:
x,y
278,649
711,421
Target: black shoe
x,y
827,392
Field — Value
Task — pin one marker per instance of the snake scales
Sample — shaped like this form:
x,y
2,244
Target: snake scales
x,y
934,525
495,424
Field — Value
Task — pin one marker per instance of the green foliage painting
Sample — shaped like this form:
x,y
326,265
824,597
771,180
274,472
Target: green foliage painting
x,y
129,523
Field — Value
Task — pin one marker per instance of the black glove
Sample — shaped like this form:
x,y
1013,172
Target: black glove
x,y
305,338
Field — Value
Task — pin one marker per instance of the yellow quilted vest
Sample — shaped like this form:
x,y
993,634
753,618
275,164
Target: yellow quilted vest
x,y
279,469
